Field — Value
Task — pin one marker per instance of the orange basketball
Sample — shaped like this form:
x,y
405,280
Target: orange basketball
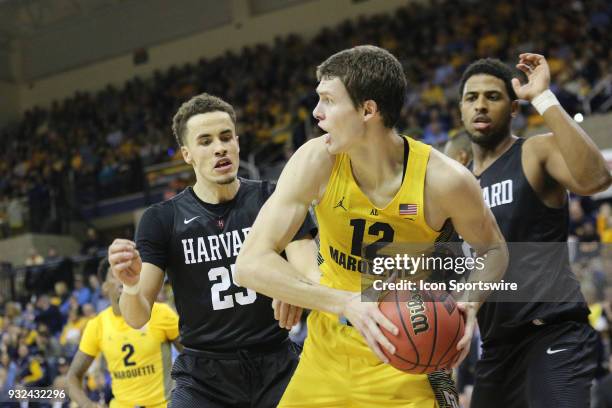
x,y
430,326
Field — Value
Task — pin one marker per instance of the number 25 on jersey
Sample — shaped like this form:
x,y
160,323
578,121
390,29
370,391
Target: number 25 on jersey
x,y
220,301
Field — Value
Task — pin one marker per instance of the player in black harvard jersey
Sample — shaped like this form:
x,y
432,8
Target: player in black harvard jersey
x,y
236,355
538,352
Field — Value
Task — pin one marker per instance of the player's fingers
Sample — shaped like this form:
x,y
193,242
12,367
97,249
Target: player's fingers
x,y
121,267
468,331
125,256
525,68
290,317
382,320
120,256
275,303
465,340
298,315
121,246
380,337
516,85
374,346
282,319
534,58
120,241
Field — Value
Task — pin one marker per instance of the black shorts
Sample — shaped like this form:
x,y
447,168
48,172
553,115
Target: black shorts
x,y
242,379
551,366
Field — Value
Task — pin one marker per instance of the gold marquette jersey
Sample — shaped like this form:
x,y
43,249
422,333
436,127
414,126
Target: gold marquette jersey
x,y
350,226
139,361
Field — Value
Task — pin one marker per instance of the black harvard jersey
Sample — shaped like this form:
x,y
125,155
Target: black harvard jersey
x,y
197,243
542,272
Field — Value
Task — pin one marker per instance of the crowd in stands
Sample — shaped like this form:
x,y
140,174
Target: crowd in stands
x,y
94,145
40,331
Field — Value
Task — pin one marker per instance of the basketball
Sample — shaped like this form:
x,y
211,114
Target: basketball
x,y
430,326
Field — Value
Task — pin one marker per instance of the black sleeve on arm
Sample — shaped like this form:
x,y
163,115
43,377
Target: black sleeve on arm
x,y
153,235
309,227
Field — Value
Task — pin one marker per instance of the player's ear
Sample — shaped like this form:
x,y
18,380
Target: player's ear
x,y
105,286
515,109
370,108
186,154
463,157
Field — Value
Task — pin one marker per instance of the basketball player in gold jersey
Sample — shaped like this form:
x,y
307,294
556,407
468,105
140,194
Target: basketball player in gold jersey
x,y
139,361
368,184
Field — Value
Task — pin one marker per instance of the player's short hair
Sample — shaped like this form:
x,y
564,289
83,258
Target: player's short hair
x,y
493,67
103,269
369,73
202,103
460,141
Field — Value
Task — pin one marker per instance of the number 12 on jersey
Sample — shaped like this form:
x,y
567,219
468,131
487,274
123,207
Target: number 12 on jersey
x,y
220,301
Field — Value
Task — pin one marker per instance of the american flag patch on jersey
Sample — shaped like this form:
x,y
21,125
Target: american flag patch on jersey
x,y
408,209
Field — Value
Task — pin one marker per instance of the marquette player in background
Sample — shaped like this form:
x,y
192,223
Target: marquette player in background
x,y
541,353
139,361
370,185
236,355
459,147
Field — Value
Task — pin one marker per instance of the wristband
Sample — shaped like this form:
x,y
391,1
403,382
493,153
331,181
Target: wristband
x,y
131,289
544,101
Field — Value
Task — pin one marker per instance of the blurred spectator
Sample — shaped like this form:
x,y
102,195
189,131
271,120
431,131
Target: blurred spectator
x,y
60,381
34,272
34,258
92,243
15,212
91,247
49,314
604,223
32,370
434,133
4,218
71,303
98,300
61,293
588,241
52,256
10,371
71,334
81,291
89,311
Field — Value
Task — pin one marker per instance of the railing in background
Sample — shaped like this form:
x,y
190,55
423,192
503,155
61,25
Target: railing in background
x,y
19,283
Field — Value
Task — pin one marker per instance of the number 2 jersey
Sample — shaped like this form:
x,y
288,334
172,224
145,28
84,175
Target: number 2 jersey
x,y
197,243
139,361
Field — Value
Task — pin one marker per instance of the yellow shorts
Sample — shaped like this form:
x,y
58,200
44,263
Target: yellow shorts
x,y
116,404
338,369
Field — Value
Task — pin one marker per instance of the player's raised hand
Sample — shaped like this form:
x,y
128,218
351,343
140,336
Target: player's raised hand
x,y
125,261
286,314
468,309
366,317
538,76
